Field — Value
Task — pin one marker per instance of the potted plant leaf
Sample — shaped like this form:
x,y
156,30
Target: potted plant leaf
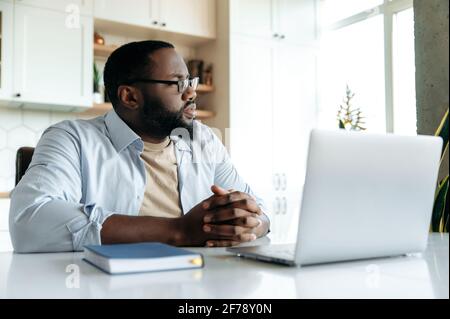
x,y
97,94
439,219
349,118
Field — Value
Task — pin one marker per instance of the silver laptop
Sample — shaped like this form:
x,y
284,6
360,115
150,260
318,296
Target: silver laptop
x,y
365,196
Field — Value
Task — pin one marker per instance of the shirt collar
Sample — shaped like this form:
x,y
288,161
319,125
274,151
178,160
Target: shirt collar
x,y
120,133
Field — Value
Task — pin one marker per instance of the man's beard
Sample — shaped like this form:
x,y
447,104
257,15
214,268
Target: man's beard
x,y
159,122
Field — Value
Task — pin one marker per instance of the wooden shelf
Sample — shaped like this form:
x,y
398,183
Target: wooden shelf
x,y
100,109
104,50
203,88
4,195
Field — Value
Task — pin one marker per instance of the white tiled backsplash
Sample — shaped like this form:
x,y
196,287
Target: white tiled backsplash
x,y
22,128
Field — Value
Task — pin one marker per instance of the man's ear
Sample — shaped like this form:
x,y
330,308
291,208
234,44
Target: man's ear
x,y
129,97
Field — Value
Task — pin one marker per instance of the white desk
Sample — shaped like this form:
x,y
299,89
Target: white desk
x,y
225,276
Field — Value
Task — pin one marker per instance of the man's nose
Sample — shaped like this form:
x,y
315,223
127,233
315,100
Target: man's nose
x,y
189,94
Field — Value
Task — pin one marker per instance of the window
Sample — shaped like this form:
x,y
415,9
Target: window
x,y
335,10
405,117
369,46
349,57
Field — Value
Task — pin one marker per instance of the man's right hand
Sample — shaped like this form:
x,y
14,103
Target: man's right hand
x,y
191,230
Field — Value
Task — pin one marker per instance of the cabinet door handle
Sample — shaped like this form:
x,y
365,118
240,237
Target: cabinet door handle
x,y
284,210
276,181
163,24
282,37
155,22
277,206
283,182
17,95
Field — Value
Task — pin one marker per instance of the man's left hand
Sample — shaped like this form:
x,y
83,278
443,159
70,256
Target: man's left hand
x,y
235,215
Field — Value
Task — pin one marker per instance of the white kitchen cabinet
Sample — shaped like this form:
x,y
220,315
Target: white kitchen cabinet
x,y
295,21
136,12
282,20
273,91
6,51
207,18
294,115
191,17
272,112
52,62
252,17
84,7
251,133
194,17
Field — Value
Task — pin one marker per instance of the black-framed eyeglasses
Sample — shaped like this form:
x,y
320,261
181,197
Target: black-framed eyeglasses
x,y
182,84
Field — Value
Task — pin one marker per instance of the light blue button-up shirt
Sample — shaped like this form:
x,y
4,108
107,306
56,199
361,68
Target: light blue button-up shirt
x,y
83,171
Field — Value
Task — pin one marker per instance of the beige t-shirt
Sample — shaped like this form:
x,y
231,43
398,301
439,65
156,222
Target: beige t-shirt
x,y
161,197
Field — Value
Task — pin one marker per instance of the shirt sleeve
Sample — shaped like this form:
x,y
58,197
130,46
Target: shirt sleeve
x,y
46,213
227,177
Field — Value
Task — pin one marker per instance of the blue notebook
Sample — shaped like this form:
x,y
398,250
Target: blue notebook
x,y
141,257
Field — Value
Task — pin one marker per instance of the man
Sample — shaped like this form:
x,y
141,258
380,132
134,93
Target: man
x,y
135,174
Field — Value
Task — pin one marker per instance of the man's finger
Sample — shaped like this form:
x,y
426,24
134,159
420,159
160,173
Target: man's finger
x,y
225,230
225,199
209,199
245,204
225,214
249,221
235,240
221,243
217,190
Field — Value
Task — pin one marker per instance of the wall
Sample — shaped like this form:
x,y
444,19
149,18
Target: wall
x,y
432,68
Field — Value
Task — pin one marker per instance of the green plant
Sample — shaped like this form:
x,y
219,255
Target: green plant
x,y
439,219
97,77
349,118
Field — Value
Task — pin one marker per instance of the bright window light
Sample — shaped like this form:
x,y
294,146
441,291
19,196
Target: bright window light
x,y
334,10
371,51
405,117
353,56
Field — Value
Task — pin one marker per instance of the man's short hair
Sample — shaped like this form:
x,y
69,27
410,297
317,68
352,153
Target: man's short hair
x,y
128,62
